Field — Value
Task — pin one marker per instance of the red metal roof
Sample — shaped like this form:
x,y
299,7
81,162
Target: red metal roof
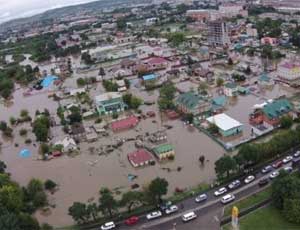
x,y
140,156
126,123
156,60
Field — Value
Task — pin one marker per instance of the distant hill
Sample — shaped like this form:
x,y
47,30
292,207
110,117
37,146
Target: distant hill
x,y
69,10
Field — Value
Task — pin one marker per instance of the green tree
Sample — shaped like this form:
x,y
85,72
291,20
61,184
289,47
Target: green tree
x,y
156,189
250,153
107,203
79,212
93,210
75,116
220,82
81,82
11,198
225,164
24,113
50,184
132,199
41,128
286,122
176,38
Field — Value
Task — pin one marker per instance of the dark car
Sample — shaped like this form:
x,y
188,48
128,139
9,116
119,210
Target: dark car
x,y
267,169
263,182
277,164
235,184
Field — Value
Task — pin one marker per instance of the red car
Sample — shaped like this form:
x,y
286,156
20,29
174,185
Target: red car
x,y
277,164
132,220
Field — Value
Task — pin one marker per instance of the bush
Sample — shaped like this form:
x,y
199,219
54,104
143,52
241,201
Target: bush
x,y
28,141
23,132
50,185
12,120
115,115
98,120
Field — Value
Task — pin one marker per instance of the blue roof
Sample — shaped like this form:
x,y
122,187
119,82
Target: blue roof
x,y
149,77
25,153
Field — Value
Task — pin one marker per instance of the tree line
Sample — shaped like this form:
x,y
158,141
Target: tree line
x,y
250,155
108,206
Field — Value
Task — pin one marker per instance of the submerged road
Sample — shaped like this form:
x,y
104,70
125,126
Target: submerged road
x,y
209,212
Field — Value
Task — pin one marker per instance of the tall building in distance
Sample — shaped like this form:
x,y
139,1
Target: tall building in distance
x,y
218,33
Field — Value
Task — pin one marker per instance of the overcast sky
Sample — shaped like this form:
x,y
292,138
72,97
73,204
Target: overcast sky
x,y
10,9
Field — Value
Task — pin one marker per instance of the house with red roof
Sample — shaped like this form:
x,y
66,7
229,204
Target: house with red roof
x,y
155,63
269,41
140,158
123,124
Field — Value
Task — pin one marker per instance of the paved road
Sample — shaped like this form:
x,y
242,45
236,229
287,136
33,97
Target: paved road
x,y
209,212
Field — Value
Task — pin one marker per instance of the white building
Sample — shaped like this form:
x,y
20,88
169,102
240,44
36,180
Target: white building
x,y
68,144
218,33
289,71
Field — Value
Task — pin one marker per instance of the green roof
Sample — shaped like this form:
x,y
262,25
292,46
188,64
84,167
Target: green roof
x,y
220,101
162,149
189,99
230,85
277,108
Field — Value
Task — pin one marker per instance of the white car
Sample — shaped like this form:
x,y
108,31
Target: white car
x,y
274,174
201,198
227,198
220,191
287,159
249,179
297,154
189,216
108,226
154,215
171,209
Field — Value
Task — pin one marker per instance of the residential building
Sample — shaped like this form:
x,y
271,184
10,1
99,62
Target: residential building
x,y
140,158
265,80
270,112
230,10
124,124
269,41
198,15
164,151
289,71
68,144
227,126
218,33
155,63
231,89
108,103
192,103
149,78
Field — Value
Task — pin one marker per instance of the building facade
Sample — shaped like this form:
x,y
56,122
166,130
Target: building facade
x,y
109,103
164,151
218,33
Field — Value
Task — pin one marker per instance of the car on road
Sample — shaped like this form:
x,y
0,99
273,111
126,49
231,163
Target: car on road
x,y
227,198
287,159
234,184
249,179
274,174
108,226
201,198
132,220
277,164
288,169
267,169
263,182
189,216
154,215
171,209
220,191
296,154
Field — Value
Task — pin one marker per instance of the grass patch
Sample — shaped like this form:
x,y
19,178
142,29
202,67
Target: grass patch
x,y
249,201
264,219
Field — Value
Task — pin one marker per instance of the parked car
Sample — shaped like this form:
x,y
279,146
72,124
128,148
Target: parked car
x,y
288,169
171,209
249,179
189,216
263,182
154,215
274,174
296,162
267,169
296,154
201,198
132,220
164,205
108,226
227,198
287,159
234,184
277,164
220,191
